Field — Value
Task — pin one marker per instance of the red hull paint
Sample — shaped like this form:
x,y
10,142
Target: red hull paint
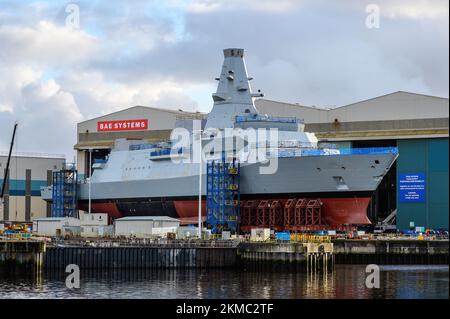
x,y
341,211
335,211
106,208
187,210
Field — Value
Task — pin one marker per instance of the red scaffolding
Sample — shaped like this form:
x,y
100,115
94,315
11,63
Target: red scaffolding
x,y
289,213
276,215
293,214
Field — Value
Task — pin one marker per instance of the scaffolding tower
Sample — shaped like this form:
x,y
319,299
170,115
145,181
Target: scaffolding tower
x,y
65,193
223,195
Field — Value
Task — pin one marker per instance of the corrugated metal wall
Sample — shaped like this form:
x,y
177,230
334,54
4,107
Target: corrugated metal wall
x,y
429,156
22,193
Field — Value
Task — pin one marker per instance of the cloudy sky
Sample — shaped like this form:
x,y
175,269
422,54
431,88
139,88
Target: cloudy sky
x,y
55,72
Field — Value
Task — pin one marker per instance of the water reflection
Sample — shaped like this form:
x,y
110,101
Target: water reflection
x,y
345,281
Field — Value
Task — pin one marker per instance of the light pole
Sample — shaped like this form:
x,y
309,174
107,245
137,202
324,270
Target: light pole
x,y
89,182
200,185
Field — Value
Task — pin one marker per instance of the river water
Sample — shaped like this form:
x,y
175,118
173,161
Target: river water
x,y
345,281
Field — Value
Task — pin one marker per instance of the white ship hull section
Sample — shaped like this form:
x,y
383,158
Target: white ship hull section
x,y
134,175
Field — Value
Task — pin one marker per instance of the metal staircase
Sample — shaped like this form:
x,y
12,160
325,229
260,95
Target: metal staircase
x,y
65,193
223,195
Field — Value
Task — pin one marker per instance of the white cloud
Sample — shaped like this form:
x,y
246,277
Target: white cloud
x,y
204,6
45,44
45,114
18,76
207,6
416,10
48,108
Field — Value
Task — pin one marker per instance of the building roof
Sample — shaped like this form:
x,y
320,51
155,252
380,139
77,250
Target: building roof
x,y
33,155
53,219
148,218
393,93
328,108
312,107
398,105
177,112
402,114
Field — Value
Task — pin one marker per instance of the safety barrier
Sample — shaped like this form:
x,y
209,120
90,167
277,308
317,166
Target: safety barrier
x,y
307,238
262,118
351,151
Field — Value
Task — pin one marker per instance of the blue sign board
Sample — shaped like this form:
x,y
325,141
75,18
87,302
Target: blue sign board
x,y
283,236
411,188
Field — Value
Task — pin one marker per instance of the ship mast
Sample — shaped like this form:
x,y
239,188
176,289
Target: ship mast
x,y
233,96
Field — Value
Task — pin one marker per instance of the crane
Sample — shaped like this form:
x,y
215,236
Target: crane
x,y
6,170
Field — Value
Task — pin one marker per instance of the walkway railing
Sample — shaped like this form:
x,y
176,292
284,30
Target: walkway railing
x,y
340,151
154,242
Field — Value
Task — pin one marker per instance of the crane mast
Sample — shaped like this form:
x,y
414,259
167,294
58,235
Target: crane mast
x,y
7,169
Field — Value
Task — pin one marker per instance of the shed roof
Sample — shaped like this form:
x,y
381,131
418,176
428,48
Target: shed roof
x,y
149,108
148,218
53,219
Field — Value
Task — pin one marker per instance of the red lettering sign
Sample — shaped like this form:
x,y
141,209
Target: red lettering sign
x,y
123,125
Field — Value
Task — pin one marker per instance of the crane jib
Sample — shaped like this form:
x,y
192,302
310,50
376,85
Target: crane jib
x,y
7,161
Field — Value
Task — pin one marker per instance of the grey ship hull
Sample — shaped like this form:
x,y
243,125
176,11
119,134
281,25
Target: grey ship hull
x,y
296,177
305,174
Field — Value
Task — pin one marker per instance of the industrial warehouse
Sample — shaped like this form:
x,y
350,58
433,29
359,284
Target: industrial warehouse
x,y
28,172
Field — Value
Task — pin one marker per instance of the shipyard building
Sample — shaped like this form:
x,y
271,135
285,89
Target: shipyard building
x,y
95,137
418,125
28,172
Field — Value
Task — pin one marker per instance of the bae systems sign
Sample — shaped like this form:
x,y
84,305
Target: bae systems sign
x,y
123,125
411,187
